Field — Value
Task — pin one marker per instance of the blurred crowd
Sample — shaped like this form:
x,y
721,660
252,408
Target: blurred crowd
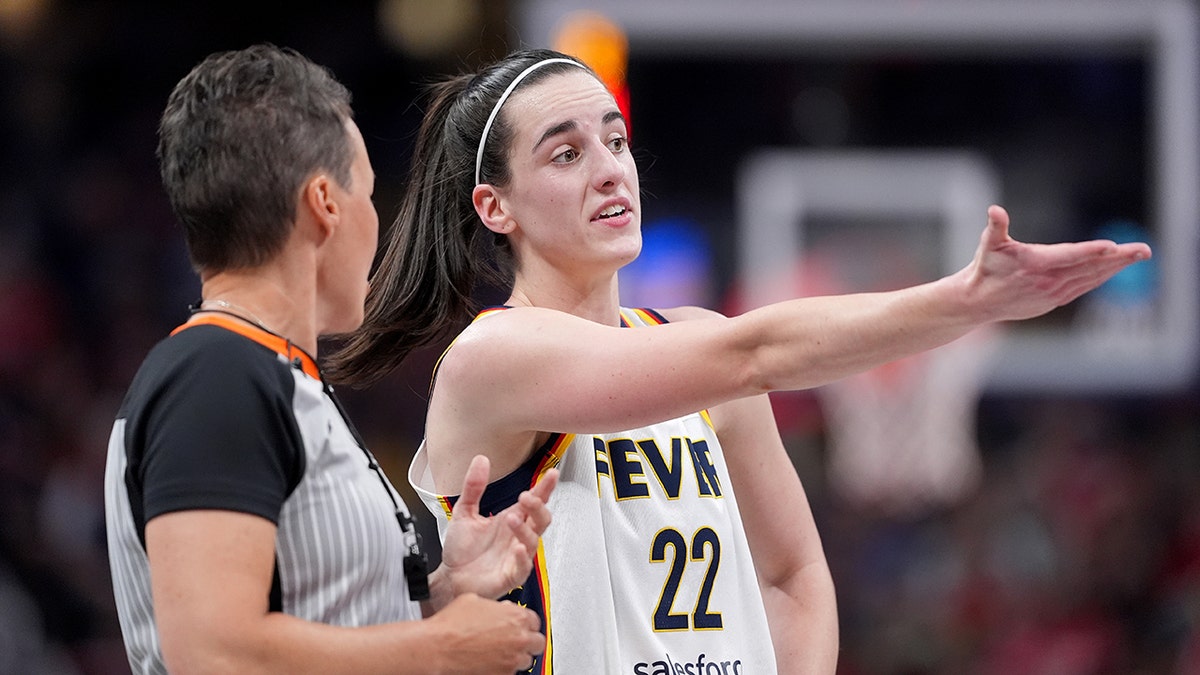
x,y
1078,553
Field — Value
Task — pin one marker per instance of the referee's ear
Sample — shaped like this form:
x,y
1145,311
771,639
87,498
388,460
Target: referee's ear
x,y
318,205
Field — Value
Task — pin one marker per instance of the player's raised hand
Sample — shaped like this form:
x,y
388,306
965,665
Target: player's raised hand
x,y
1009,279
491,555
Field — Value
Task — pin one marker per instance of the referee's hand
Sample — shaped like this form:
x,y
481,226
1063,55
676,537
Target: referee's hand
x,y
480,636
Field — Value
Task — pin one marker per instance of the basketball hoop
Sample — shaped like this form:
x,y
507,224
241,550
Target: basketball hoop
x,y
902,437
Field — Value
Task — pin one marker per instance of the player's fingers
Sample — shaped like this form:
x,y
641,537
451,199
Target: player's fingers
x,y
545,485
1080,254
474,484
1098,268
524,531
537,513
996,232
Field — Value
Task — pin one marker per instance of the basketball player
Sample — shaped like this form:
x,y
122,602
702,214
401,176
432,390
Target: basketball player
x,y
683,540
249,529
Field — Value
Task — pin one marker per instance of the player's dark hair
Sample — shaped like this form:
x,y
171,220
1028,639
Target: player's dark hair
x,y
438,248
239,136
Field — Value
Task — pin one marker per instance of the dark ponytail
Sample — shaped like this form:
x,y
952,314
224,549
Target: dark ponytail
x,y
438,249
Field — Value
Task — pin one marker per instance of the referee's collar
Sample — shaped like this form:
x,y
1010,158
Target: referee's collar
x,y
275,343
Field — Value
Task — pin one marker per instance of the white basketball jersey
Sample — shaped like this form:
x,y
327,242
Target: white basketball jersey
x,y
645,569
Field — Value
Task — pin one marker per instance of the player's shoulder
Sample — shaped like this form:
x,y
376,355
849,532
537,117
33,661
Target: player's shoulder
x,y
688,313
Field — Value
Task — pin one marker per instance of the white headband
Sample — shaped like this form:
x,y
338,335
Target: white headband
x,y
504,97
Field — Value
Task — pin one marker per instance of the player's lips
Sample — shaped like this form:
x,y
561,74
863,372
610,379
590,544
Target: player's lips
x,y
614,212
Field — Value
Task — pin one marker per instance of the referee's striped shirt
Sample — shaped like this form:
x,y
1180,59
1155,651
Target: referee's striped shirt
x,y
223,416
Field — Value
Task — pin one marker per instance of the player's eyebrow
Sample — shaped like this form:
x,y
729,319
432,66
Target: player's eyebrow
x,y
612,117
561,127
571,125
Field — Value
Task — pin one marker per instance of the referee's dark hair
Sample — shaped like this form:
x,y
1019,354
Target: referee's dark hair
x,y
239,136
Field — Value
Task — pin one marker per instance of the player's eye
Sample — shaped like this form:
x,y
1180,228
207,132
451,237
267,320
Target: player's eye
x,y
566,156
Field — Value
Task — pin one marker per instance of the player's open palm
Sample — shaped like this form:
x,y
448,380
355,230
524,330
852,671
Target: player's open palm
x,y
491,555
1011,280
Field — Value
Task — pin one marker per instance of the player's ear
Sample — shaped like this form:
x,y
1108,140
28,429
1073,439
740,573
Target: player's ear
x,y
491,208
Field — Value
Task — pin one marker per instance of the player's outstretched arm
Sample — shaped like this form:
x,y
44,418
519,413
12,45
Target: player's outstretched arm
x,y
642,376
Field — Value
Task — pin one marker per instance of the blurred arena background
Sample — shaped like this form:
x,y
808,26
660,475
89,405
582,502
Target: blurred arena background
x,y
1024,501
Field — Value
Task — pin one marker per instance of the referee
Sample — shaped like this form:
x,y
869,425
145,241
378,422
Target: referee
x,y
249,527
